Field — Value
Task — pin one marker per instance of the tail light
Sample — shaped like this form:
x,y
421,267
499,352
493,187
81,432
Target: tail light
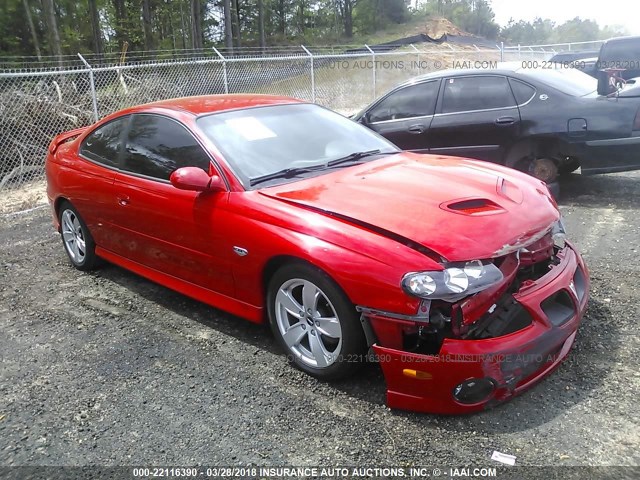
x,y
636,122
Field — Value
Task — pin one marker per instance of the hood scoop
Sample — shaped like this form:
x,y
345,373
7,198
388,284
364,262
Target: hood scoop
x,y
473,206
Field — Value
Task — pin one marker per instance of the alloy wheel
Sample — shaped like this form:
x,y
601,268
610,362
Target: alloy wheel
x,y
308,323
73,237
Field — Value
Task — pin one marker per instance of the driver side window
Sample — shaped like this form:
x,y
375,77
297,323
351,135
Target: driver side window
x,y
413,101
156,146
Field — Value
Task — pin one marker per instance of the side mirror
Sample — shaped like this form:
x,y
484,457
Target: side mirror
x,y
364,119
195,179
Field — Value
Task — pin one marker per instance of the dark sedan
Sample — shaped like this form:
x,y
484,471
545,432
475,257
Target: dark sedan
x,y
542,121
584,60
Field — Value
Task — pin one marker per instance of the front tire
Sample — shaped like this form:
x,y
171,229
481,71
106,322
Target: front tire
x,y
76,238
314,322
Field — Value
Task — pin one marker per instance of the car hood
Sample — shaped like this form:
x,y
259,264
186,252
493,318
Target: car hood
x,y
460,209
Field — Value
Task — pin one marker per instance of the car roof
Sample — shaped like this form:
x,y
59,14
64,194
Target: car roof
x,y
203,104
512,69
504,68
623,39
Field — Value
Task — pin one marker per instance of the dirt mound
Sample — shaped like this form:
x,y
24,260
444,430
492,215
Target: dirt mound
x,y
438,26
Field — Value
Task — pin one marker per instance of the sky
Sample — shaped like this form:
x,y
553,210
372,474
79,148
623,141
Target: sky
x,y
605,12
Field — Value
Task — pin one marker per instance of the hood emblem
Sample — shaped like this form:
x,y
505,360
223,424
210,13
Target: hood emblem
x,y
241,252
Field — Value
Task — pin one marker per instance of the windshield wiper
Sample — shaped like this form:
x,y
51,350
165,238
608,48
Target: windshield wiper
x,y
352,157
294,171
285,173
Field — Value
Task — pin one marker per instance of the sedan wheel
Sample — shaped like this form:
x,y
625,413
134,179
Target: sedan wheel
x,y
76,238
315,322
544,169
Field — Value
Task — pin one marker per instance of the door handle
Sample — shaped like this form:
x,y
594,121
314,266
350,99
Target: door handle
x,y
416,129
123,200
505,121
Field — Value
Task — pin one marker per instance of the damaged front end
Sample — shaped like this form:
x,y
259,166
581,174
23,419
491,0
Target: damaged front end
x,y
468,352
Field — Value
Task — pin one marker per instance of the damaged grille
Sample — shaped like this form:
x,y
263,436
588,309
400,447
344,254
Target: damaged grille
x,y
507,316
497,313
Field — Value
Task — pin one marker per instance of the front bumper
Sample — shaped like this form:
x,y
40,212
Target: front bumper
x,y
512,363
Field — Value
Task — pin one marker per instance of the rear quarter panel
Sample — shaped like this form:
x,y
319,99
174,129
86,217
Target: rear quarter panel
x,y
86,185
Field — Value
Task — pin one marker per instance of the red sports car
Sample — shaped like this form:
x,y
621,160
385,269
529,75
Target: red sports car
x,y
454,272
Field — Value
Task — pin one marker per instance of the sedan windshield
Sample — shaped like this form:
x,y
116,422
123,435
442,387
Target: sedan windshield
x,y
291,139
568,80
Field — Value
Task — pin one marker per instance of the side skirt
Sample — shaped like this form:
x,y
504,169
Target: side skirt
x,y
241,309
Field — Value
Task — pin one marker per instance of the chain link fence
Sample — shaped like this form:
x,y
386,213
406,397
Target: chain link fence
x,y
542,52
40,99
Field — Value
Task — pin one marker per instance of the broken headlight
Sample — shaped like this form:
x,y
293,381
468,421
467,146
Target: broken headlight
x,y
456,281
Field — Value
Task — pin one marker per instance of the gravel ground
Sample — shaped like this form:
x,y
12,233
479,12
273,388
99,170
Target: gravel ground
x,y
107,368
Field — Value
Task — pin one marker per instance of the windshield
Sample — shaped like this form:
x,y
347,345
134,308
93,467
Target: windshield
x,y
568,80
264,140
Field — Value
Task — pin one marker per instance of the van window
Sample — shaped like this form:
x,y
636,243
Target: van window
x,y
622,53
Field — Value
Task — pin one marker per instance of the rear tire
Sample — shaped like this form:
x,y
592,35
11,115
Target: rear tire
x,y
76,238
314,322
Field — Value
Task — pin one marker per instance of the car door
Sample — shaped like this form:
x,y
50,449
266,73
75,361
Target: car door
x,y
159,226
476,116
101,151
404,116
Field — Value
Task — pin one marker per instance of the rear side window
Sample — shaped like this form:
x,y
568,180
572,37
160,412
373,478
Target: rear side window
x,y
156,146
522,91
412,101
103,145
465,94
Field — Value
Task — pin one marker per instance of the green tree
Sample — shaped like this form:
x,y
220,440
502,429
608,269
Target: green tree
x,y
528,33
32,29
97,43
611,31
55,44
372,15
576,30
